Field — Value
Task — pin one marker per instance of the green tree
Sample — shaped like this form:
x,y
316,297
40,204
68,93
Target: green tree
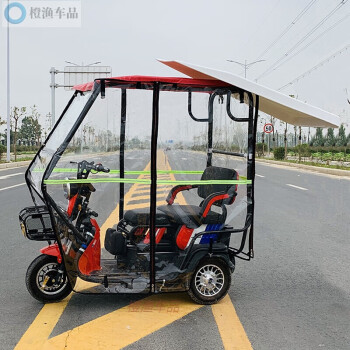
x,y
330,138
11,136
318,139
30,129
2,122
37,127
16,115
2,150
341,138
26,131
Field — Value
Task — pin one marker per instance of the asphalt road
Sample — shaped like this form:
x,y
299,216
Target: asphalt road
x,y
293,295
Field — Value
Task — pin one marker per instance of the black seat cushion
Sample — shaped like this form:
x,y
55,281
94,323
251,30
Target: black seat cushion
x,y
141,217
189,215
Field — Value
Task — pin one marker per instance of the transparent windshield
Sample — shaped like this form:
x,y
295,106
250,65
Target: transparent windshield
x,y
65,124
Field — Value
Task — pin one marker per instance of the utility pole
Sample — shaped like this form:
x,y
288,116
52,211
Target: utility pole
x,y
300,144
53,95
263,142
245,65
285,141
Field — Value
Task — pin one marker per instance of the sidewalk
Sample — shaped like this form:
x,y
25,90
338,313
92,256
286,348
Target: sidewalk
x,y
12,165
329,171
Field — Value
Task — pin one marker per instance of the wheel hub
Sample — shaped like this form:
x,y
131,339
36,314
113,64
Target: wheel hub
x,y
49,280
209,280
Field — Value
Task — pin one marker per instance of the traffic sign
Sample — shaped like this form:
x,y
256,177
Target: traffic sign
x,y
268,128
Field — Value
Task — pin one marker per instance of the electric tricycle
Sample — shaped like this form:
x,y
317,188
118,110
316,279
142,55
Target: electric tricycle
x,y
137,197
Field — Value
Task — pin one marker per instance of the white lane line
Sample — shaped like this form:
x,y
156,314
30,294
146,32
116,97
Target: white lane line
x,y
3,177
298,187
259,175
7,188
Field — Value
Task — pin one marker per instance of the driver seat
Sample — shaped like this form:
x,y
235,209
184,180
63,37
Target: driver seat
x,y
193,216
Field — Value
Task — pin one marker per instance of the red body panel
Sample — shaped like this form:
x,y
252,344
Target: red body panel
x,y
91,258
52,250
183,237
71,204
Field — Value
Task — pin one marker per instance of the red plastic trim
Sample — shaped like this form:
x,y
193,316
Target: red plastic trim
x,y
52,250
213,200
71,204
176,191
159,235
183,237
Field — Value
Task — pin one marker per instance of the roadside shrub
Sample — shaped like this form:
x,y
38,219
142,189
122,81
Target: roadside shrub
x,y
259,148
2,150
327,156
278,153
340,156
303,150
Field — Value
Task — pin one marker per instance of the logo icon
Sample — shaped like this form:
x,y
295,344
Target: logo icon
x,y
15,20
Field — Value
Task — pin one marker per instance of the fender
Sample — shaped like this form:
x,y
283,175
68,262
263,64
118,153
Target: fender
x,y
52,250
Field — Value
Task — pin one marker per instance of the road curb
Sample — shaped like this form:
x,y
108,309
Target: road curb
x,y
328,171
12,165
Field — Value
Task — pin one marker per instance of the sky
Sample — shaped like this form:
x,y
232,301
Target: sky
x,y
130,35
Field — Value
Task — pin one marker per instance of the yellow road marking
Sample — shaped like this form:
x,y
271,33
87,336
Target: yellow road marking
x,y
230,327
123,326
42,326
138,198
144,205
126,325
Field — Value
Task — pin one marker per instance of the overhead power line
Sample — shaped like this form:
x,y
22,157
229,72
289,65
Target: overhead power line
x,y
315,67
318,25
265,18
286,30
312,41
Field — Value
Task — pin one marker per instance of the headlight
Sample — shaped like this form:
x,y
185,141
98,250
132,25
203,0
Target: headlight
x,y
66,189
70,190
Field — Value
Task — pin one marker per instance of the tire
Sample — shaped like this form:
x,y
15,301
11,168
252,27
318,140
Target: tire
x,y
40,268
210,282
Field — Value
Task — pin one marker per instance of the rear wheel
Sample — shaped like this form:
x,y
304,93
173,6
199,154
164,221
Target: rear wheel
x,y
210,282
45,280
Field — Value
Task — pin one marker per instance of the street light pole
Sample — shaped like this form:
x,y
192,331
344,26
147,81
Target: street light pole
x,y
8,143
245,65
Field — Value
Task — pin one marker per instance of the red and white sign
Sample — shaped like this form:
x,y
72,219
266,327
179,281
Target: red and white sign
x,y
268,128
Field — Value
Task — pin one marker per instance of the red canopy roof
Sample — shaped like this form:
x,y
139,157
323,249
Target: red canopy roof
x,y
183,82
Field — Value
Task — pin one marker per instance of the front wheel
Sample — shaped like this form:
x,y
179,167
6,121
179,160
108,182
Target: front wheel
x,y
210,282
45,280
